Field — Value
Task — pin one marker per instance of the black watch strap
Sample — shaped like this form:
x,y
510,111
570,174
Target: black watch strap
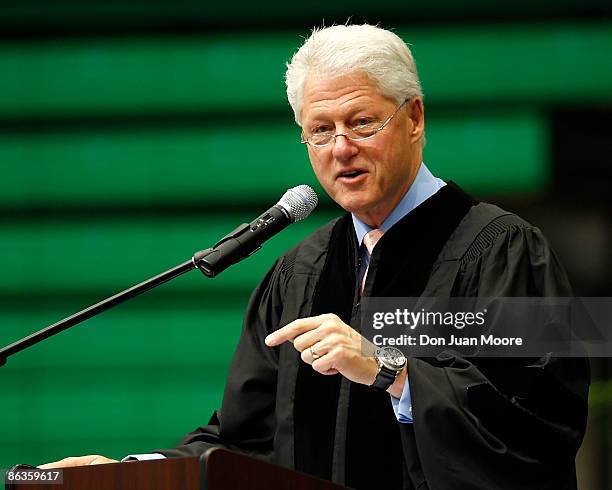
x,y
384,378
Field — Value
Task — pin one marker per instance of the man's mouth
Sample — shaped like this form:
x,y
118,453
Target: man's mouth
x,y
351,175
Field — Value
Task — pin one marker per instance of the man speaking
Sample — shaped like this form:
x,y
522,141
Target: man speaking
x,y
300,392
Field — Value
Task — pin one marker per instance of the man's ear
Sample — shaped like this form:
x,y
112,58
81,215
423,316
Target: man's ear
x,y
416,114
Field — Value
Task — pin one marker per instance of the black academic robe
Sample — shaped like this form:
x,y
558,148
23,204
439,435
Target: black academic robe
x,y
478,423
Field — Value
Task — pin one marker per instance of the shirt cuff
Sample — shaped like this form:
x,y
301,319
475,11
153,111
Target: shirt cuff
x,y
143,457
403,406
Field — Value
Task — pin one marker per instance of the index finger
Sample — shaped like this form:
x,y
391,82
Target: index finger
x,y
292,330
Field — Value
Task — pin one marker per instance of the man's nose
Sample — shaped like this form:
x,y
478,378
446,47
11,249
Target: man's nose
x,y
344,148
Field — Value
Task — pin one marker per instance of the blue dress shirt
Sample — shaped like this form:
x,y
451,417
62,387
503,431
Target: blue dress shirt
x,y
424,186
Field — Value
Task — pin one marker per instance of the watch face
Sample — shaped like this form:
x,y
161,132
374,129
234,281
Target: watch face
x,y
391,357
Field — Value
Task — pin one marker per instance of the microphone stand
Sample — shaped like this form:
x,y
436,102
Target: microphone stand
x,y
197,261
296,204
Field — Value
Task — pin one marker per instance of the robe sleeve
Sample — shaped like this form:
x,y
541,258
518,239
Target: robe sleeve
x,y
246,420
500,423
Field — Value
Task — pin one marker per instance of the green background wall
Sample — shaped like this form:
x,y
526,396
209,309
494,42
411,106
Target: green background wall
x,y
124,149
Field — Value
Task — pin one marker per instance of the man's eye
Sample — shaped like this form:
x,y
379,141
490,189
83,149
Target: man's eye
x,y
363,121
321,129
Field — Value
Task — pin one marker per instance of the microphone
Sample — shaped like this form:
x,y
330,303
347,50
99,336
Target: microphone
x,y
295,205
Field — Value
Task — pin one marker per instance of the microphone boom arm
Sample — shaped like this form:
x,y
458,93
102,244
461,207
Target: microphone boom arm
x,y
97,308
296,204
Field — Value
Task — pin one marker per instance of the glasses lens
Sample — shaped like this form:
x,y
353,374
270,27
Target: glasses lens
x,y
362,132
320,139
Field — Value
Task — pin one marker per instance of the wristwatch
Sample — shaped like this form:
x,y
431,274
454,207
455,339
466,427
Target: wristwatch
x,y
390,362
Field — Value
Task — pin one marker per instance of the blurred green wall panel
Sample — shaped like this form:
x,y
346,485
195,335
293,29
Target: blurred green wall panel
x,y
117,410
235,163
238,72
240,163
541,63
156,332
532,62
498,152
107,255
126,76
88,394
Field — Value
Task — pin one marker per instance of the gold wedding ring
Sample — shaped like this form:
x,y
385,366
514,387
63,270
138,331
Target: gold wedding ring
x,y
314,355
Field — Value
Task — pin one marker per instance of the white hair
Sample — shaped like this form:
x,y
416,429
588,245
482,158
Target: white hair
x,y
340,50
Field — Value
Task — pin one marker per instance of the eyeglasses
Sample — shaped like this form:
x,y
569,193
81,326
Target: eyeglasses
x,y
358,133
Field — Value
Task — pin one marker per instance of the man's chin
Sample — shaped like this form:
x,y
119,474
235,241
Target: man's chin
x,y
365,211
352,206
361,210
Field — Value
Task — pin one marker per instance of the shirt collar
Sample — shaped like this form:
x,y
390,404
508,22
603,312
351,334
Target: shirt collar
x,y
424,186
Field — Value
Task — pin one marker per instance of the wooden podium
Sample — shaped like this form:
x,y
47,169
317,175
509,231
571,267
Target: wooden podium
x,y
217,469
